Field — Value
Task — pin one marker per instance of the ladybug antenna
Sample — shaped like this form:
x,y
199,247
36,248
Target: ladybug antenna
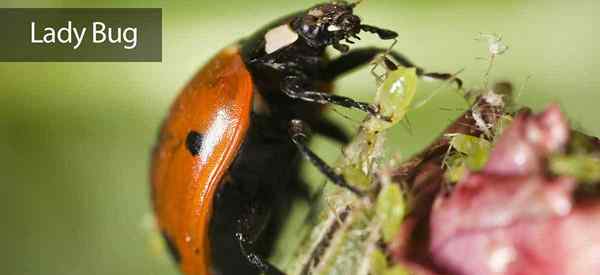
x,y
355,3
382,33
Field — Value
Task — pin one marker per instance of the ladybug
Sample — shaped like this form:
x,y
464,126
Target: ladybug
x,y
230,147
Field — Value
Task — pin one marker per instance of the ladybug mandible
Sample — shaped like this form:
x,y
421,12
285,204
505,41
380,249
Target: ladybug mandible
x,y
231,143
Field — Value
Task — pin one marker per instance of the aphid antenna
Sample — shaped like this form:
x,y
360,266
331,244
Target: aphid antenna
x,y
407,125
451,135
446,109
394,42
437,90
521,88
462,92
488,71
337,111
333,211
447,153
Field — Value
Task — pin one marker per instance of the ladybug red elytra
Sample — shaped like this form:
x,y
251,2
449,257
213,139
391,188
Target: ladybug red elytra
x,y
231,143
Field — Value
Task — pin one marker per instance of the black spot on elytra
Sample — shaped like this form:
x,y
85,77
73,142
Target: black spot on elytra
x,y
193,142
172,247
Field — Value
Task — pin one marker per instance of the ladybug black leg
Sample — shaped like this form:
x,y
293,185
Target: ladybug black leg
x,y
360,57
299,133
298,87
264,266
251,224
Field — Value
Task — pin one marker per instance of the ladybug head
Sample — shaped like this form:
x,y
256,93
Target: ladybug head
x,y
331,23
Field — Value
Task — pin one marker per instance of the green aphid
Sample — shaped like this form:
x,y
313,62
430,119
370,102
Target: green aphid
x,y
397,270
465,153
378,262
394,97
584,167
580,144
356,175
395,93
361,156
379,266
390,210
455,167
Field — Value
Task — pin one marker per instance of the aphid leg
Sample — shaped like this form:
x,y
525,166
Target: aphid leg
x,y
439,76
382,60
298,87
407,124
298,133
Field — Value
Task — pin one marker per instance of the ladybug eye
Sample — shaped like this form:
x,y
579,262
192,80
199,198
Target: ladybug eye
x,y
309,27
349,22
310,30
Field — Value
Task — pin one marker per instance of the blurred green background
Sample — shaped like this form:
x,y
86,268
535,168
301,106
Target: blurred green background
x,y
75,138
